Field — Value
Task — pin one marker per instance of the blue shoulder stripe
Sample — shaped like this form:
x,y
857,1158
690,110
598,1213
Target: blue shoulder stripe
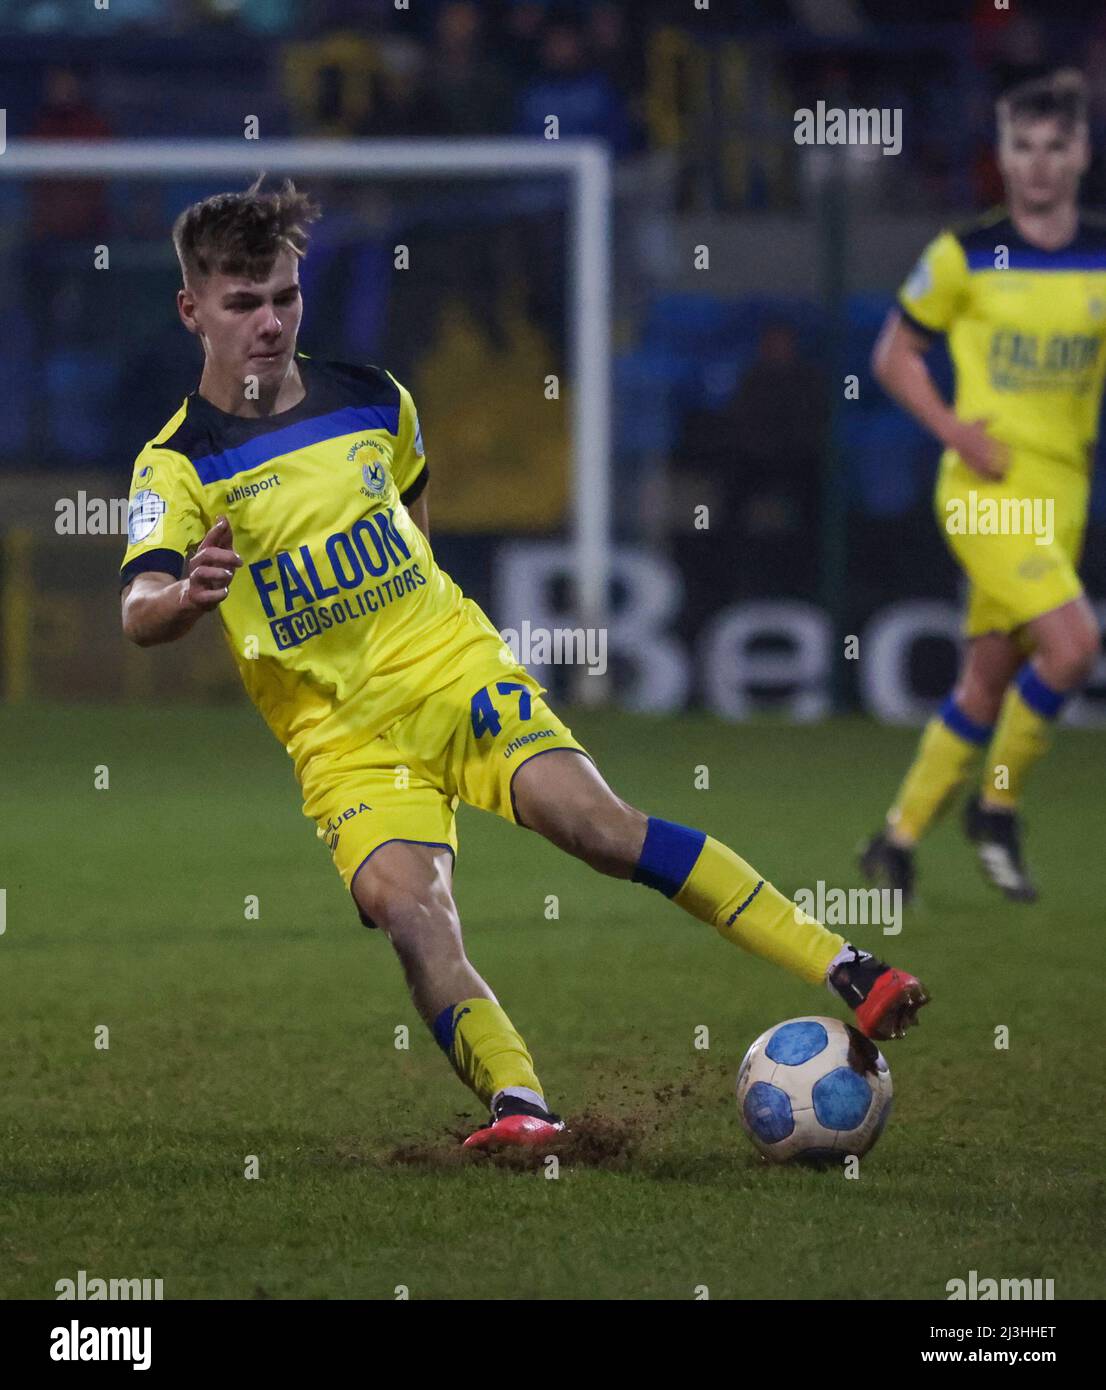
x,y
214,468
1032,258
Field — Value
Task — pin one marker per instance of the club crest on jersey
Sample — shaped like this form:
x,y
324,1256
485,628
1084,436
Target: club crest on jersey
x,y
374,474
375,478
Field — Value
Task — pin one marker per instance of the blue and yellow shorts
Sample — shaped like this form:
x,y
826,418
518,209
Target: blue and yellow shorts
x,y
465,742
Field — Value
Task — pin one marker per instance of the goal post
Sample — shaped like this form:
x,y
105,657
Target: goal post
x,y
586,164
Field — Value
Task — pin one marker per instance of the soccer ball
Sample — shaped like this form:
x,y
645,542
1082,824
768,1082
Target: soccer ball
x,y
813,1090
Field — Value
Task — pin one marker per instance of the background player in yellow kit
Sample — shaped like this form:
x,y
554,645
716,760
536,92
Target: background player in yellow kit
x,y
291,495
1021,295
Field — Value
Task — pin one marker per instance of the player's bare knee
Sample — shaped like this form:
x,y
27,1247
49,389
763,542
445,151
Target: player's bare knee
x,y
406,914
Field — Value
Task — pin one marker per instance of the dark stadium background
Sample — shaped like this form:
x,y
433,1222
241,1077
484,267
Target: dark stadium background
x,y
727,382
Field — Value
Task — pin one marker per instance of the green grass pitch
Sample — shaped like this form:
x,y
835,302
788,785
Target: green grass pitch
x,y
275,1037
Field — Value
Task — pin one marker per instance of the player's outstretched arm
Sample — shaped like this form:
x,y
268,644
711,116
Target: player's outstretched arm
x,y
898,363
158,608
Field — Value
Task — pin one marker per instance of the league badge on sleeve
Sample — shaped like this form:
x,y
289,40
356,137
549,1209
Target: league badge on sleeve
x,y
144,515
419,450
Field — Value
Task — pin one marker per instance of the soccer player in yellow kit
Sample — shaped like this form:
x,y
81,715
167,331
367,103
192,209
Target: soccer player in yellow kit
x,y
291,495
1021,296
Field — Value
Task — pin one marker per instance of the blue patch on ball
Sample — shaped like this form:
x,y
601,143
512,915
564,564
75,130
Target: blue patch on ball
x,y
841,1098
768,1112
795,1043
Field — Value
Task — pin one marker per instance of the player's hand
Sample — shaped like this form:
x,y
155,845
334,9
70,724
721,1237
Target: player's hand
x,y
211,569
983,454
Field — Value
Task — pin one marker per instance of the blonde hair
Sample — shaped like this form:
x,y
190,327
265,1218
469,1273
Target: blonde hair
x,y
242,233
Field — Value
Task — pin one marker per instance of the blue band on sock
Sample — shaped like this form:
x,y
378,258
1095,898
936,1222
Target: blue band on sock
x,y
667,856
444,1029
955,719
1040,698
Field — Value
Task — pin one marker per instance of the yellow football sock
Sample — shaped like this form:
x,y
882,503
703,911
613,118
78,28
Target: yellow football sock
x,y
707,879
949,749
1022,735
485,1048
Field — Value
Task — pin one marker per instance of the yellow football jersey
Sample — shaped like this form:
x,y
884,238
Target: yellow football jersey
x,y
1025,330
340,621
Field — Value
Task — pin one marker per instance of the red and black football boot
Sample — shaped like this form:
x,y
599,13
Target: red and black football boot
x,y
886,1001
516,1123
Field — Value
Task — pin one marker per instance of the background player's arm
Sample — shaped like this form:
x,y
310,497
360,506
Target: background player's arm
x,y
898,363
158,608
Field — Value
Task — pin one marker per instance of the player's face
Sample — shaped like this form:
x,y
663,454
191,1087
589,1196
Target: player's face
x,y
248,327
1042,162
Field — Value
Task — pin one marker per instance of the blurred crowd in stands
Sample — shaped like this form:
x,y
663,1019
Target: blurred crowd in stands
x,y
713,93
717,87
